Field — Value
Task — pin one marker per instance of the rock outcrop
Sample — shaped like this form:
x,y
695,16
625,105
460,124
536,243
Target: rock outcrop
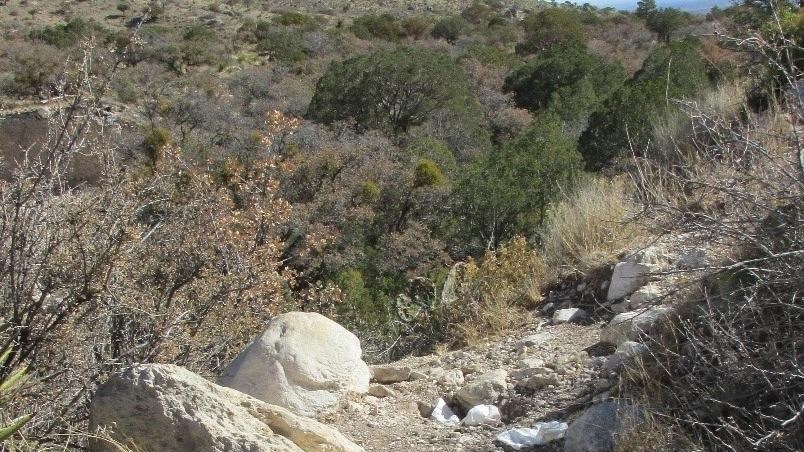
x,y
303,361
166,408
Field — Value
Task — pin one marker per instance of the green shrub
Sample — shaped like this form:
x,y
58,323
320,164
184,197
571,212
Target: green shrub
x,y
625,120
415,26
550,28
370,191
298,19
492,56
562,76
508,192
282,45
431,149
421,81
202,46
10,382
69,34
428,174
154,144
384,26
665,21
450,28
476,12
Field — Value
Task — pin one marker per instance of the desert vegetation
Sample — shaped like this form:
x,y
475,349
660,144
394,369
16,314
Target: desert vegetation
x,y
422,177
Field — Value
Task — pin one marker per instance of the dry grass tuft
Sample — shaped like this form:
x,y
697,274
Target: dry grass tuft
x,y
589,228
494,293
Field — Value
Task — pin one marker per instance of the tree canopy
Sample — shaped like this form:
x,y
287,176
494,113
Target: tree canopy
x,y
673,71
568,80
391,90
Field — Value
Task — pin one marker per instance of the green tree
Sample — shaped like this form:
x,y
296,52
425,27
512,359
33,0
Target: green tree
x,y
450,28
645,8
550,28
508,191
666,21
626,119
569,80
391,90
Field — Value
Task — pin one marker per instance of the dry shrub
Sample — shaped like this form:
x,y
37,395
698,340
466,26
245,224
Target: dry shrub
x,y
492,295
589,228
731,365
163,264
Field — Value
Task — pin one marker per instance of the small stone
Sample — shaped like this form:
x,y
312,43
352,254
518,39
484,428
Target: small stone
x,y
425,409
390,374
629,325
381,391
484,390
568,315
644,295
535,339
451,377
526,363
537,382
521,374
415,376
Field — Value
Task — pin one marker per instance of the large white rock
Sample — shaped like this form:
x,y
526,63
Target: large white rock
x,y
303,361
166,408
629,325
599,427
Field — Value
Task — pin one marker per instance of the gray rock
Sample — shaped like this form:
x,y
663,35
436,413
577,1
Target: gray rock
x,y
415,376
540,381
381,391
390,374
534,339
630,349
527,363
598,428
644,295
568,315
629,325
635,272
425,409
522,374
689,259
447,377
486,389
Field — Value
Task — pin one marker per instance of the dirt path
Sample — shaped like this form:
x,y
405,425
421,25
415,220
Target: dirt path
x,y
395,423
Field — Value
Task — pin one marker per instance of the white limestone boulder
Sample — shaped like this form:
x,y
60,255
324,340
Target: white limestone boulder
x,y
303,361
166,408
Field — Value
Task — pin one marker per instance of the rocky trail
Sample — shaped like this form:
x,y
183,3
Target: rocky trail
x,y
302,384
399,419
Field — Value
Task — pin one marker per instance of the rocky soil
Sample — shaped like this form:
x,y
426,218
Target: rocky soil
x,y
395,422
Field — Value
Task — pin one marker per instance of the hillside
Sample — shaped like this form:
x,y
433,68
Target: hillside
x,y
548,212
